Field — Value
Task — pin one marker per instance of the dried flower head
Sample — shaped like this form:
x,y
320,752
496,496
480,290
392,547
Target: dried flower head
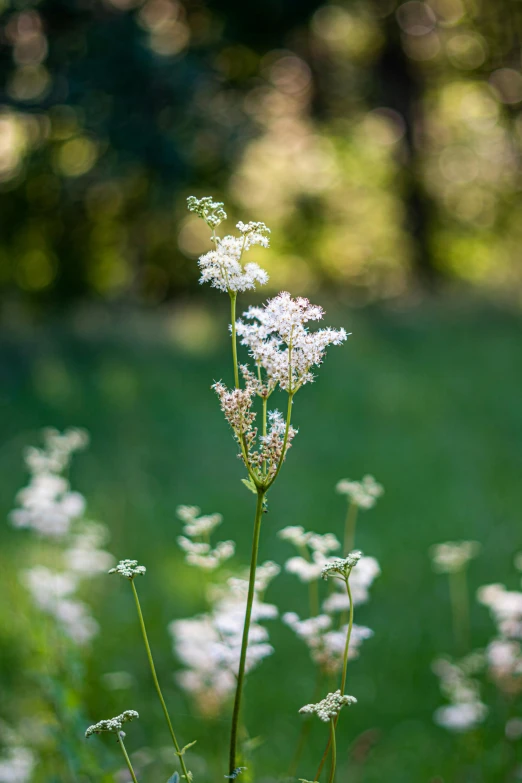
x,y
112,724
329,707
363,493
453,556
212,212
341,566
129,569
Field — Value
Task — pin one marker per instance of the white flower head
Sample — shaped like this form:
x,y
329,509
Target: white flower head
x,y
280,342
329,707
112,724
212,212
453,556
129,569
363,493
341,566
462,716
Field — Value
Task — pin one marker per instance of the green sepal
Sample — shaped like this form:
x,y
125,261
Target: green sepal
x,y
249,484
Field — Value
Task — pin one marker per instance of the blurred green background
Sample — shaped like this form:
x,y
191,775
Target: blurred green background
x,y
381,143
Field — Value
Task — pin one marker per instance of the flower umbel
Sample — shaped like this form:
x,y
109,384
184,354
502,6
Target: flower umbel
x,y
112,724
329,707
341,567
212,212
363,493
129,569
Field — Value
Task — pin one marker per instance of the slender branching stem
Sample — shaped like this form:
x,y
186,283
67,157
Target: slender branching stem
x,y
285,439
119,736
334,749
246,630
343,679
179,752
349,527
233,299
348,636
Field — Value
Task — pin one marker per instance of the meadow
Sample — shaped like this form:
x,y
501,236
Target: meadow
x,y
425,396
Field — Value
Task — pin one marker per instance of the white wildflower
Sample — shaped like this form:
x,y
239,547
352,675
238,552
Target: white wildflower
x,y
453,556
212,212
341,567
363,493
281,344
326,645
195,524
329,707
462,716
296,534
17,765
506,608
129,569
361,579
112,724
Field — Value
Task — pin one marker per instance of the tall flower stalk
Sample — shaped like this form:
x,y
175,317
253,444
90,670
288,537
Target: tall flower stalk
x,y
284,352
115,726
130,569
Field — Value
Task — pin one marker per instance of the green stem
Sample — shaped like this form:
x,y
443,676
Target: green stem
x,y
246,630
233,299
285,440
157,685
348,635
334,750
349,527
343,680
127,759
460,609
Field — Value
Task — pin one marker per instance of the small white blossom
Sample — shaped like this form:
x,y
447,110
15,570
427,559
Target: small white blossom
x,y
281,344
17,765
212,212
112,724
195,524
129,569
296,534
462,716
341,566
363,493
506,608
361,579
453,556
326,646
329,707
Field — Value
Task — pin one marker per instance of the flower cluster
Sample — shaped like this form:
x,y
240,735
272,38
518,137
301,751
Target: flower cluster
x,y
114,725
196,542
459,685
47,504
129,569
341,567
237,407
361,579
329,707
364,493
222,267
453,556
504,653
280,343
314,548
326,645
209,645
212,212
54,511
17,761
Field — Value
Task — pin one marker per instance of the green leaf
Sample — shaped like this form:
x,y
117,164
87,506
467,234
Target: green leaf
x,y
182,751
249,484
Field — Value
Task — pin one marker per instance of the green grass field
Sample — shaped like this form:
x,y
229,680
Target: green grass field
x,y
428,399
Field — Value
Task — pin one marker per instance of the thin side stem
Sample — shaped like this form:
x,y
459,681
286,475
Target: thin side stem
x,y
126,755
233,299
334,750
343,680
179,752
349,527
348,635
460,609
246,630
285,439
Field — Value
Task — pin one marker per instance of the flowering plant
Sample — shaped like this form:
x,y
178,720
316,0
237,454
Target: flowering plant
x,y
220,646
